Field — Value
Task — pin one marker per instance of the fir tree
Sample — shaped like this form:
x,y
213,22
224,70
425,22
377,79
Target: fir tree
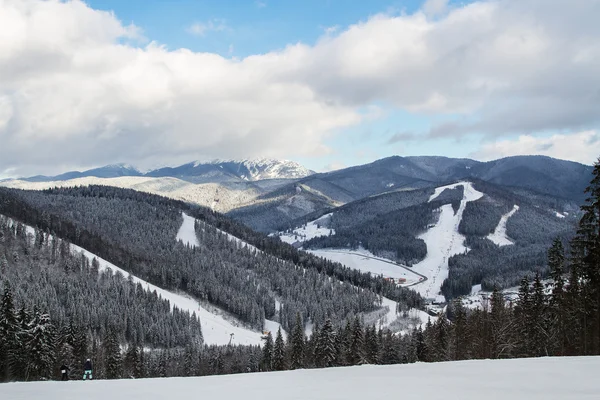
x,y
267,353
297,344
113,362
325,348
279,362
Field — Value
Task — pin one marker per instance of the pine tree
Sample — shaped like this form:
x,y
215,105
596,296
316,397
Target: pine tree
x,y
297,344
325,348
587,250
522,319
267,353
356,346
8,333
113,362
279,363
558,304
40,346
538,319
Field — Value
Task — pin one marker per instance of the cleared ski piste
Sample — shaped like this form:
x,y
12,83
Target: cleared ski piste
x,y
443,241
521,379
499,235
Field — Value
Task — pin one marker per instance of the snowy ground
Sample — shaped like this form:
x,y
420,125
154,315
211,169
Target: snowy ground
x,y
499,235
443,241
365,261
311,230
522,379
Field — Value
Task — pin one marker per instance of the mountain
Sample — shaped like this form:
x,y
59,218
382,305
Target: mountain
x,y
230,170
218,171
108,171
269,195
454,236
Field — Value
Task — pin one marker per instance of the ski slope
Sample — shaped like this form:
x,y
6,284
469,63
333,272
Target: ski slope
x,y
521,379
499,235
366,261
443,241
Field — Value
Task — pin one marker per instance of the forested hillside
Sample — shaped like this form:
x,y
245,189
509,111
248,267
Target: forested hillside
x,y
137,231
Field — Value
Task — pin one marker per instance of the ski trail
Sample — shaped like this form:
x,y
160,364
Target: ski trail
x,y
443,241
499,235
214,323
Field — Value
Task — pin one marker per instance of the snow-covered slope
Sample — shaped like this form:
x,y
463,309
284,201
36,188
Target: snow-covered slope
x,y
499,235
365,261
312,229
443,241
219,197
521,379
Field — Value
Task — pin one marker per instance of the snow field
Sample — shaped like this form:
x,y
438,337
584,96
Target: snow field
x,y
519,379
499,235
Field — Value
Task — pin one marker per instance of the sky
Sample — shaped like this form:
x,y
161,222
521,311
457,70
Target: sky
x,y
329,83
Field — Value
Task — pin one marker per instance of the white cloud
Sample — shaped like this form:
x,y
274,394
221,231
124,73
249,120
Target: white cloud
x,y
73,87
435,7
330,30
202,28
583,147
260,4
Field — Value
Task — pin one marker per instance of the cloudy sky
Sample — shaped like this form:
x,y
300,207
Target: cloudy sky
x,y
328,83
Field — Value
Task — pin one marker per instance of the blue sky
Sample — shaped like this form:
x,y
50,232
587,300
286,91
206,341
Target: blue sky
x,y
328,83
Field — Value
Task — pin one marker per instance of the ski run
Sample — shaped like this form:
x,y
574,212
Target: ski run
x,y
516,379
499,236
443,241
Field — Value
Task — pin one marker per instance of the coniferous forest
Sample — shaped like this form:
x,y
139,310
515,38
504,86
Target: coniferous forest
x,y
56,307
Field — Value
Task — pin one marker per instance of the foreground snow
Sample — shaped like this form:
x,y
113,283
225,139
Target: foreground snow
x,y
524,379
499,235
443,241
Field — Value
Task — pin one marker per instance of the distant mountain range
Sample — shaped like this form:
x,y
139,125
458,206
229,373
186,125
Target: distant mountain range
x,y
197,172
270,195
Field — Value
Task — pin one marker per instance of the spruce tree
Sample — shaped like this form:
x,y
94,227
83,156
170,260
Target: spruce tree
x,y
297,344
267,353
9,329
325,348
113,362
279,363
356,346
